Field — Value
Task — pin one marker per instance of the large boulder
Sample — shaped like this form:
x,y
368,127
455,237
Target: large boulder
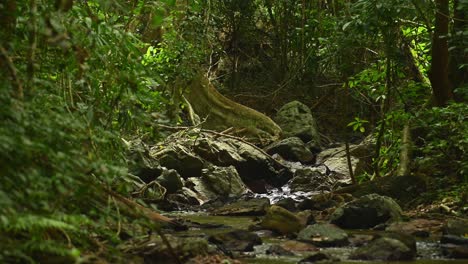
x,y
384,249
296,120
281,220
224,181
217,182
323,235
178,157
251,163
292,149
140,163
454,240
367,212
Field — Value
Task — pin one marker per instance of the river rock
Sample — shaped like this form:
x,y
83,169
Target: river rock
x,y
251,163
324,235
185,196
170,180
321,257
306,217
217,183
296,120
308,179
277,250
292,149
455,251
321,202
224,181
384,249
237,240
178,157
252,207
298,246
456,227
416,227
281,220
287,203
367,212
140,163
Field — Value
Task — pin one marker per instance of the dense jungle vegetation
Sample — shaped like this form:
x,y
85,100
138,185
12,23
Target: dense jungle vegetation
x,y
81,79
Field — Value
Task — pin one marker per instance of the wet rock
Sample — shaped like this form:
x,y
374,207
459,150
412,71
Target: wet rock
x,y
318,202
455,251
366,212
321,257
306,217
308,179
170,180
292,149
416,227
179,158
277,250
224,181
252,207
457,227
155,249
217,183
237,240
251,163
384,249
406,239
296,120
298,247
281,220
325,235
184,196
287,203
452,239
140,163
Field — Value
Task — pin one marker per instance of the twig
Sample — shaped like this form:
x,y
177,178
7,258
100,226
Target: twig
x,y
14,73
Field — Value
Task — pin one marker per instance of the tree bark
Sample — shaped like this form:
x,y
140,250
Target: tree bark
x,y
438,74
457,75
220,113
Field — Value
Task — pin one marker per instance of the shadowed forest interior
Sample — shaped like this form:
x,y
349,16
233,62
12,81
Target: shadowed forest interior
x,y
233,131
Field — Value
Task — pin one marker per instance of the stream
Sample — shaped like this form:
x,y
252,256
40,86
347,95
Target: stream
x,y
429,251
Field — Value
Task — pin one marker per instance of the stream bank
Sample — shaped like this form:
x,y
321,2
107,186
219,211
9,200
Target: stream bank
x,y
290,202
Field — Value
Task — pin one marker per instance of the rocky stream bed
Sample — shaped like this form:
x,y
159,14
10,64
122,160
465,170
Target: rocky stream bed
x,y
290,202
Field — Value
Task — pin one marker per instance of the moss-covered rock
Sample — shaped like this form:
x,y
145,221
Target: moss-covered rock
x,y
324,235
384,249
366,212
281,220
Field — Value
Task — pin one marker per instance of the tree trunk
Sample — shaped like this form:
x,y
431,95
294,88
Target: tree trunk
x,y
220,113
458,76
438,75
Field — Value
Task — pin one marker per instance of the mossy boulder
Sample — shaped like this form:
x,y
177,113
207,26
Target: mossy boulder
x,y
366,212
296,120
384,249
281,220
